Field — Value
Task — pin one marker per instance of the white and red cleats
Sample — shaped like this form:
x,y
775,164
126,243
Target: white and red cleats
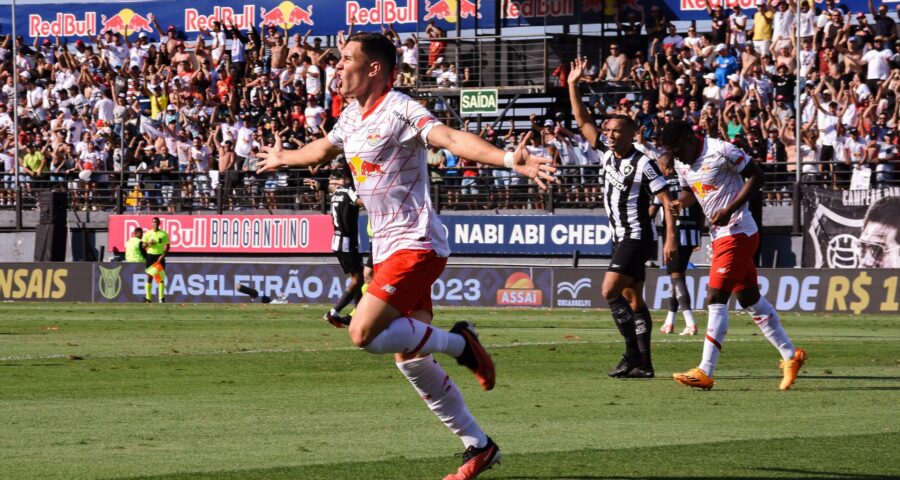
x,y
667,329
689,331
476,461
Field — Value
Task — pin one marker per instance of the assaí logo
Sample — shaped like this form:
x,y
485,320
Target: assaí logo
x,y
520,291
287,15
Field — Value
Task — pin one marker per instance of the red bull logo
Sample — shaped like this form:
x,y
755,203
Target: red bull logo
x,y
384,11
362,169
538,8
287,15
446,10
126,19
63,25
194,21
702,190
608,7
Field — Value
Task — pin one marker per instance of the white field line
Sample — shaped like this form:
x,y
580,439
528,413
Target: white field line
x,y
350,349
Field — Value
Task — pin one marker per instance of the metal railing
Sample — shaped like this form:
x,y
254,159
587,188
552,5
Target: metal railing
x,y
579,187
510,63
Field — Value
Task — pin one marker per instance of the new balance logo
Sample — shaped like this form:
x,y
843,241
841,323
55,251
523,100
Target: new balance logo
x,y
722,270
614,265
389,289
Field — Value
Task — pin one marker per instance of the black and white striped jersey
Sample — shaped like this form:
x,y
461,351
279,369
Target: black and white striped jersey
x,y
689,223
629,184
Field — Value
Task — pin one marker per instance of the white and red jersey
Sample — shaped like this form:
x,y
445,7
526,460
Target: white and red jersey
x,y
386,152
715,178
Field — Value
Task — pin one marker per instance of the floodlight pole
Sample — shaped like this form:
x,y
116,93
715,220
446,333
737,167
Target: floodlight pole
x,y
15,109
798,121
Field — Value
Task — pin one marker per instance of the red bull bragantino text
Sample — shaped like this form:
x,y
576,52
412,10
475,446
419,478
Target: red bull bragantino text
x,y
194,21
384,11
64,25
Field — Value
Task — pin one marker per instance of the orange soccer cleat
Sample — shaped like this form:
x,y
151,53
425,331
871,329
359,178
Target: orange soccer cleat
x,y
695,378
474,356
791,368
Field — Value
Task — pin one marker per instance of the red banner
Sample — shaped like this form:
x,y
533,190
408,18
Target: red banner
x,y
250,234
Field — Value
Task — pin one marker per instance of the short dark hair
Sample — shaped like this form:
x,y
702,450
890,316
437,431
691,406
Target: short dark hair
x,y
629,122
155,220
674,132
377,47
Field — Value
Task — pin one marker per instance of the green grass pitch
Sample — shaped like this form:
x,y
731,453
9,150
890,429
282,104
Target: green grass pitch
x,y
253,392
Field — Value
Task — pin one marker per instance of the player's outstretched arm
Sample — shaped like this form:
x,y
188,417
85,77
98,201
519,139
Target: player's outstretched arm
x,y
314,153
469,146
582,115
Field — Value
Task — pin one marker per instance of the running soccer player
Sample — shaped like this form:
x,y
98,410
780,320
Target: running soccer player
x,y
345,205
156,243
689,224
630,178
712,173
384,135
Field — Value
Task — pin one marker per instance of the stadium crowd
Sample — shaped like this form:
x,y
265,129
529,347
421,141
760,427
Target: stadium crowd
x,y
192,113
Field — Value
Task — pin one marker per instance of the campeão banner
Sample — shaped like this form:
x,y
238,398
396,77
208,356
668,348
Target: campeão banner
x,y
851,228
248,234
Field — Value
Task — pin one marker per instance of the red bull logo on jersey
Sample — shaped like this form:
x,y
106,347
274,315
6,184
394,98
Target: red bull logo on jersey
x,y
702,190
446,10
63,25
126,19
384,11
373,137
362,169
194,21
287,15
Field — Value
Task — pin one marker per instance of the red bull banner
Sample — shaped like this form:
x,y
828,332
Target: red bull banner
x,y
246,234
73,20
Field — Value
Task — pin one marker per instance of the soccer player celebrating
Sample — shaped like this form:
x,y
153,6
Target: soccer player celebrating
x,y
156,243
630,178
713,173
384,135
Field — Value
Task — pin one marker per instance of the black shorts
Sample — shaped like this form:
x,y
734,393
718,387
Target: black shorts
x,y
680,262
629,257
351,262
151,259
369,261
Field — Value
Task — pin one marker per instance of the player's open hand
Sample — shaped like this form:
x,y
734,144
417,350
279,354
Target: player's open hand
x,y
541,169
576,69
269,158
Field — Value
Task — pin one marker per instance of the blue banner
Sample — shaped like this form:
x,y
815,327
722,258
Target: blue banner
x,y
72,20
521,234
